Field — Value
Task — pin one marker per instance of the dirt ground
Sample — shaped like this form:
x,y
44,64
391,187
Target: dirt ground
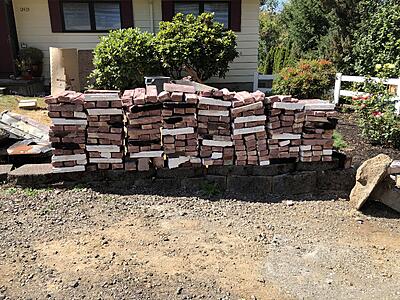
x,y
86,242
111,242
358,148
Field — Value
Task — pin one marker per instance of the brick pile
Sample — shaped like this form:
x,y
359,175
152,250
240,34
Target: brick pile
x,y
284,126
179,125
143,123
67,132
105,132
317,136
214,128
248,125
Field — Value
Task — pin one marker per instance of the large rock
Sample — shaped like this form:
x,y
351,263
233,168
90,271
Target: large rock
x,y
388,194
369,175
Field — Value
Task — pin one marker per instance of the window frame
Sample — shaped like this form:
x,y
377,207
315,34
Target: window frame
x,y
201,7
92,15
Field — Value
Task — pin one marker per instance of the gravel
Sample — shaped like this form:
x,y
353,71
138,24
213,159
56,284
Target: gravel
x,y
102,242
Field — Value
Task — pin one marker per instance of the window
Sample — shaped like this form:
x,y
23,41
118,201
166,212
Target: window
x,y
221,10
91,15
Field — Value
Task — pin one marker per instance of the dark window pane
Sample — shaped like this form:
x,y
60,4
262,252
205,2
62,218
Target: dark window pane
x,y
76,16
107,15
187,8
220,10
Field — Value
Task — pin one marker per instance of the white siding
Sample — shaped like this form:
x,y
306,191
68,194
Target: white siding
x,y
34,29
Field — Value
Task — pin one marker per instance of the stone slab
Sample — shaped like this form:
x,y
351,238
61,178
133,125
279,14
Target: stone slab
x,y
32,169
61,121
149,154
178,131
69,169
213,143
214,113
248,130
102,97
245,185
104,111
4,170
250,119
295,184
215,102
288,105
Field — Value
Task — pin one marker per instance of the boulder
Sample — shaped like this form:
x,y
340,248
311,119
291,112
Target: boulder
x,y
387,193
369,175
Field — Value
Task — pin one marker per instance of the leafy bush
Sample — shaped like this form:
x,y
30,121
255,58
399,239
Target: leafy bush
x,y
33,55
123,58
197,46
376,113
307,79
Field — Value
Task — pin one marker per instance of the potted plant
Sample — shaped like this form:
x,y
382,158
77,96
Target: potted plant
x,y
24,67
32,60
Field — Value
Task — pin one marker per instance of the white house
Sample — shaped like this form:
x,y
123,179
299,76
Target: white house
x,y
79,23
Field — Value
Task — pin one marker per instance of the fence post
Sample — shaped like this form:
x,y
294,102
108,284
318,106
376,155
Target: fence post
x,y
255,82
338,85
398,87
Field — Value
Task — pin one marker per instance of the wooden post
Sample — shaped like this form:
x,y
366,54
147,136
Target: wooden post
x,y
255,82
338,85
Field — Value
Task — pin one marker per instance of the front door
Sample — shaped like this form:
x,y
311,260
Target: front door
x,y
8,39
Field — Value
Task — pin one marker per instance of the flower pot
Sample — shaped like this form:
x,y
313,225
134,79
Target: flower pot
x,y
37,70
26,75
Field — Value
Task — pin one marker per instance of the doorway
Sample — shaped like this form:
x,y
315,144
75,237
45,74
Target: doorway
x,y
8,39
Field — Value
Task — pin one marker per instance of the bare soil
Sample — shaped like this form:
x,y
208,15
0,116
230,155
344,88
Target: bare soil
x,y
358,148
110,242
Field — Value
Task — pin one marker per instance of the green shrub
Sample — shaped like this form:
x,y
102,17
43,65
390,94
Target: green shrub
x,y
307,79
123,58
376,113
197,46
33,55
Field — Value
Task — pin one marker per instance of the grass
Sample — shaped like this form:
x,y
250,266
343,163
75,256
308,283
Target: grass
x,y
210,189
339,142
10,103
10,191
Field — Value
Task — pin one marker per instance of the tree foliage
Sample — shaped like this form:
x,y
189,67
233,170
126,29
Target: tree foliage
x,y
354,34
377,40
197,46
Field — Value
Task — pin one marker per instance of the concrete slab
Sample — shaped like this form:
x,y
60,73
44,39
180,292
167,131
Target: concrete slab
x,y
33,169
4,170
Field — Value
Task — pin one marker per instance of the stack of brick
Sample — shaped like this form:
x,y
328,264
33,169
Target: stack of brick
x,y
105,132
214,128
143,123
68,132
284,126
249,134
317,137
179,125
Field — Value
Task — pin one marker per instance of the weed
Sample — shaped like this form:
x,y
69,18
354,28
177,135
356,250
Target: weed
x,y
210,189
78,188
339,142
30,192
10,191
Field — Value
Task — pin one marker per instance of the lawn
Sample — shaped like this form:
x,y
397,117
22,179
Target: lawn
x,y
10,103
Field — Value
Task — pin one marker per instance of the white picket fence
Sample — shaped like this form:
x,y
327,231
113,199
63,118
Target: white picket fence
x,y
266,78
338,92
